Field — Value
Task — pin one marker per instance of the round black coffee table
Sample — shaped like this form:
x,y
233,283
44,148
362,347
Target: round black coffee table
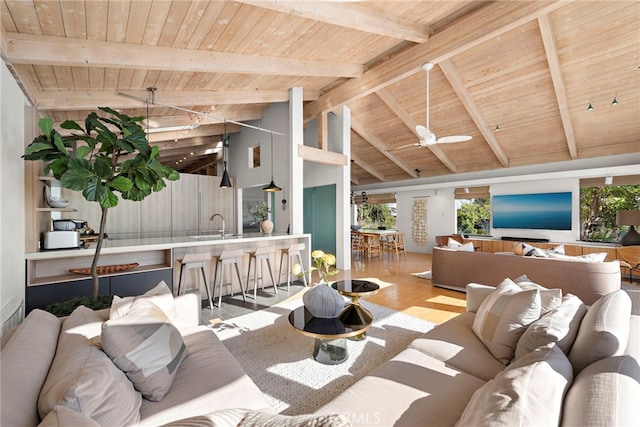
x,y
354,314
330,335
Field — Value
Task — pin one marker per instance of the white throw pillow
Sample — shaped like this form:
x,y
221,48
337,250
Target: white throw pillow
x,y
558,326
146,347
550,298
161,296
594,257
466,247
476,293
453,244
503,317
528,392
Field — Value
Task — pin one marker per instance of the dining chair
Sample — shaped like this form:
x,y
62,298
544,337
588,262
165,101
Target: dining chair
x,y
629,258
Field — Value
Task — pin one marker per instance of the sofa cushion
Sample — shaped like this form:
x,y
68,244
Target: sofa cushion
x,y
504,316
476,293
604,393
160,295
529,392
549,298
558,326
24,363
61,416
209,379
412,389
604,330
453,244
454,343
146,346
83,378
249,418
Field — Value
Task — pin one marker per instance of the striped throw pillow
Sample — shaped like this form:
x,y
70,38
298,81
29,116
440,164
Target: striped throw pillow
x,y
146,347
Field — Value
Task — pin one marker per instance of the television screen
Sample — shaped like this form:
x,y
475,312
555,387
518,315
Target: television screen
x,y
546,211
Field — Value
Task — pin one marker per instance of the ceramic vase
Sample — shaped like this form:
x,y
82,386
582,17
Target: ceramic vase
x,y
266,226
323,301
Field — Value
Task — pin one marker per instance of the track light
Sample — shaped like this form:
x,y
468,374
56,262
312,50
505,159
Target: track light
x,y
608,180
615,101
417,171
497,128
590,107
466,189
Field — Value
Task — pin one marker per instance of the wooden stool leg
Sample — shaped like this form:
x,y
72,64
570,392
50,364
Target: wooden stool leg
x,y
180,279
273,282
304,276
219,267
242,291
206,286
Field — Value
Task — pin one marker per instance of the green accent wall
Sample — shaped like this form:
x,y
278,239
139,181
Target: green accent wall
x,y
320,217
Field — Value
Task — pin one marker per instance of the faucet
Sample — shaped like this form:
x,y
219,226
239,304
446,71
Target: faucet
x,y
221,230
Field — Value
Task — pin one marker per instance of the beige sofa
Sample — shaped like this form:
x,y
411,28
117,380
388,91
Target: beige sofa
x,y
588,280
208,379
588,376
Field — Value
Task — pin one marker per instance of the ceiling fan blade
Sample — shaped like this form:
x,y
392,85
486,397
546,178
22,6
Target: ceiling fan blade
x,y
453,138
408,145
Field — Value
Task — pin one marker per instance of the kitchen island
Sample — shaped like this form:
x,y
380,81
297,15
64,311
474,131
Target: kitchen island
x,y
49,280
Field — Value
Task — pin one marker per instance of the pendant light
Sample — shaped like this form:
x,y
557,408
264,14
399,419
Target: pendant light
x,y
226,182
272,187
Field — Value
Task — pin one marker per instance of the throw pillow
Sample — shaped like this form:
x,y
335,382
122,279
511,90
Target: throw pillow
x,y
160,295
221,418
604,330
61,416
453,244
558,326
526,249
549,298
83,378
467,247
529,392
146,346
594,257
476,293
504,316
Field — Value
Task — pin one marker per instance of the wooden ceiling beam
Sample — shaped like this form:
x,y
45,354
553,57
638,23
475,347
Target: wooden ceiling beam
x,y
318,155
66,51
406,118
382,147
474,112
88,100
211,159
497,18
208,130
350,15
367,167
551,50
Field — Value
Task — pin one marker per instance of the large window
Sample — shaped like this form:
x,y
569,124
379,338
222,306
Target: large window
x,y
473,211
598,207
376,211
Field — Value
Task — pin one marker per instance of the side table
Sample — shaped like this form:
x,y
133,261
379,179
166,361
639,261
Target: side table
x,y
355,314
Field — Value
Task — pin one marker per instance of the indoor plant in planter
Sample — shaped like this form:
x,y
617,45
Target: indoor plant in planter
x,y
260,213
322,300
109,155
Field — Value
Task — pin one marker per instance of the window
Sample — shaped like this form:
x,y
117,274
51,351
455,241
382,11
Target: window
x,y
254,157
598,207
377,211
473,211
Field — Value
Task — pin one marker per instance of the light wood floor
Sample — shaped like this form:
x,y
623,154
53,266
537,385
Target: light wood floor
x,y
409,294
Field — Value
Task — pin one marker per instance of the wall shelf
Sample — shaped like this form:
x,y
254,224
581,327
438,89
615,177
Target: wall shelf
x,y
56,210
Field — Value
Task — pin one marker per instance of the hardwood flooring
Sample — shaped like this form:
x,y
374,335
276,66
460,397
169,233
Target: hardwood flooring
x,y
399,291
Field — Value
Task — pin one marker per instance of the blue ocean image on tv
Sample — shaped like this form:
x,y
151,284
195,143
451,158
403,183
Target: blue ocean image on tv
x,y
548,211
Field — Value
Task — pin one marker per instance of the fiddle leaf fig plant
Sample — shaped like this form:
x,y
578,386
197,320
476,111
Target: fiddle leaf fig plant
x,y
109,155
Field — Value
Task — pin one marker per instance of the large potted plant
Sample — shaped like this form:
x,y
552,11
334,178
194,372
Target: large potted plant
x,y
110,155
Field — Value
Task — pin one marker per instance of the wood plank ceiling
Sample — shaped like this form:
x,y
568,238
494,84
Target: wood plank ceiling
x,y
515,76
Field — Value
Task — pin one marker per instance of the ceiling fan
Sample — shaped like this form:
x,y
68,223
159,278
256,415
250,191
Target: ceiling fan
x,y
426,136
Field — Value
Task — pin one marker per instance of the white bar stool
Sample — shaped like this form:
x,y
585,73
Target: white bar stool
x,y
292,251
228,257
259,256
196,260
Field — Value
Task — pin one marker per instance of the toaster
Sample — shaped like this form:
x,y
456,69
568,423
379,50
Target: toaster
x,y
61,239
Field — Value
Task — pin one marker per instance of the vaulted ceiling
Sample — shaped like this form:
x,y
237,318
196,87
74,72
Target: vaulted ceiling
x,y
516,76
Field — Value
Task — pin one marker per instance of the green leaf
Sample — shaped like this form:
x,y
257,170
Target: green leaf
x,y
78,175
70,124
102,166
110,199
83,151
58,167
46,125
120,183
59,143
155,152
95,190
142,183
36,147
171,174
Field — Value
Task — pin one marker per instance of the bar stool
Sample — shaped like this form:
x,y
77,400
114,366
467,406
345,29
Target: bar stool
x,y
228,257
259,256
196,260
292,251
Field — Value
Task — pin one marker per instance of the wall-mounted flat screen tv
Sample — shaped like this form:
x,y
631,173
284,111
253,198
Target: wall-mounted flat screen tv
x,y
541,211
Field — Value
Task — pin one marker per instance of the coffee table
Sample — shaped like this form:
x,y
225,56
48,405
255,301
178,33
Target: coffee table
x,y
330,347
354,313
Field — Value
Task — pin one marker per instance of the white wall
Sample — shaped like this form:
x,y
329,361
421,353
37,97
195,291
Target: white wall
x,y
12,215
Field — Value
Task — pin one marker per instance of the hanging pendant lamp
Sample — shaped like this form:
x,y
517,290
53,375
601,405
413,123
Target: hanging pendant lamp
x,y
272,187
226,182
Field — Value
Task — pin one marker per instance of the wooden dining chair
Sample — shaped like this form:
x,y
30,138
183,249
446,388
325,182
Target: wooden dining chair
x,y
372,245
629,258
394,243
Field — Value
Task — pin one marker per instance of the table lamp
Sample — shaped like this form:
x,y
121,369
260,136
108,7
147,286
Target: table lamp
x,y
630,218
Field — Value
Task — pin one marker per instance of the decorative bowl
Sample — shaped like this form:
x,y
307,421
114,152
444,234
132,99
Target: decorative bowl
x,y
356,227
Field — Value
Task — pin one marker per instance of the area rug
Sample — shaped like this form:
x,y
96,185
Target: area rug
x,y
280,361
423,275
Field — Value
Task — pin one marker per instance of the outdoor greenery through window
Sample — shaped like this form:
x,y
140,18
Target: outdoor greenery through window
x,y
598,208
377,215
473,216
